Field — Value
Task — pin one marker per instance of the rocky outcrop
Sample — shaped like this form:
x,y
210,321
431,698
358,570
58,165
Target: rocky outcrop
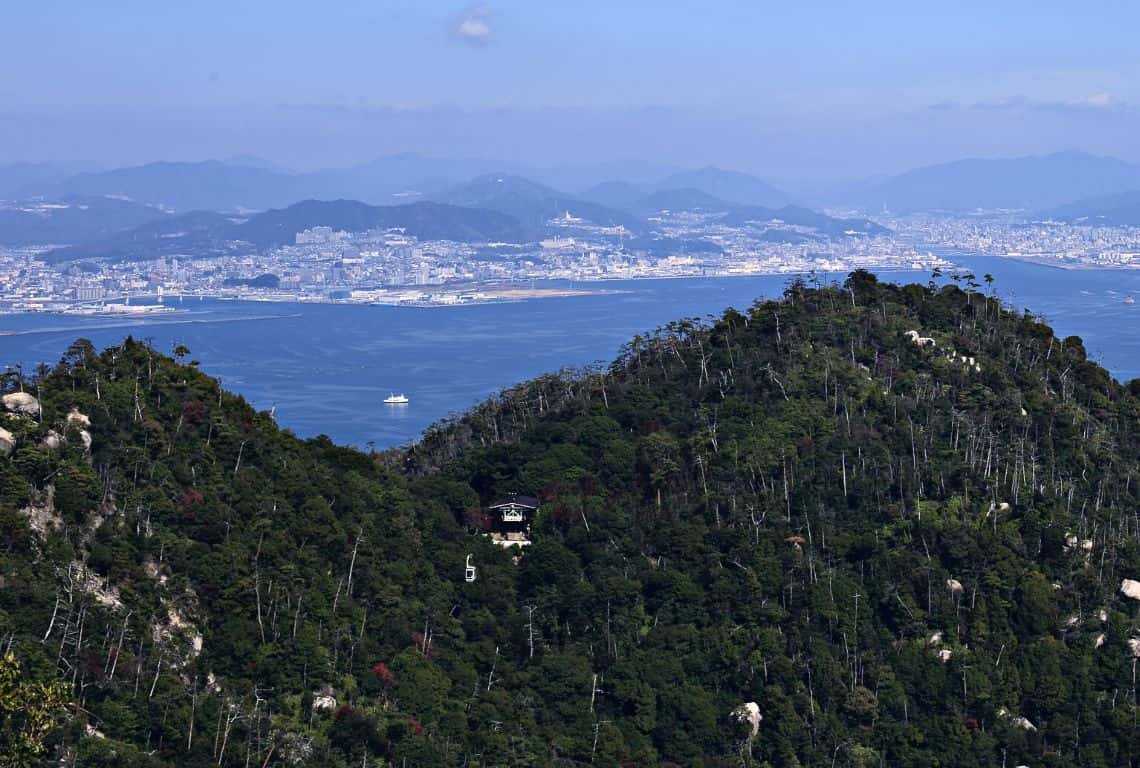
x,y
919,339
749,712
1024,723
77,419
324,699
41,513
1130,588
7,443
22,403
178,628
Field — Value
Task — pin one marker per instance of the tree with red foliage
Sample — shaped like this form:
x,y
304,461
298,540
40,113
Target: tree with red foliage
x,y
191,497
384,675
194,412
416,726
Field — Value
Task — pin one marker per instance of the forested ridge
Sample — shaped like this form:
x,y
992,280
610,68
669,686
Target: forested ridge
x,y
898,523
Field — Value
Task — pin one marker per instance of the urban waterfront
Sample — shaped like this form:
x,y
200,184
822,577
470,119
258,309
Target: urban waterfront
x,y
327,367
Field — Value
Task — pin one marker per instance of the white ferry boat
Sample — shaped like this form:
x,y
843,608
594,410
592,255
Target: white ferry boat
x,y
394,399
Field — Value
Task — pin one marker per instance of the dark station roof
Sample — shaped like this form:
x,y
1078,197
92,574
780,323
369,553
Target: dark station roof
x,y
523,501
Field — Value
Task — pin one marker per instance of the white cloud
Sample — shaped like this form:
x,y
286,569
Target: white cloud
x,y
473,24
1096,102
1102,100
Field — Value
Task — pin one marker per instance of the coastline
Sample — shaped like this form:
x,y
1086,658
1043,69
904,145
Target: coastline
x,y
455,294
4,333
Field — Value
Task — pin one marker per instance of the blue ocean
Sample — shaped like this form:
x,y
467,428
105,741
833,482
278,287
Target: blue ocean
x,y
327,368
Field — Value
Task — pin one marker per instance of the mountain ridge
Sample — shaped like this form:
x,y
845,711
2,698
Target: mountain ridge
x,y
1121,210
70,219
1033,182
203,233
732,188
827,510
533,204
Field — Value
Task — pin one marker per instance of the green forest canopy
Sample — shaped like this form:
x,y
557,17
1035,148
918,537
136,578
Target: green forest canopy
x,y
897,519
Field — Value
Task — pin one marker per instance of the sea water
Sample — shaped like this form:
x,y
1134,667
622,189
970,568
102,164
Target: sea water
x,y
326,368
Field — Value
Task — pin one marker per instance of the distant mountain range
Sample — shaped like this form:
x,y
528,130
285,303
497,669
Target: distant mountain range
x,y
792,219
1120,210
488,208
16,179
70,220
138,212
642,200
534,204
425,220
248,184
703,189
1029,183
201,233
245,183
211,185
733,186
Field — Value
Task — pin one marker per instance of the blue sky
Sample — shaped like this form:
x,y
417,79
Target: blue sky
x,y
818,89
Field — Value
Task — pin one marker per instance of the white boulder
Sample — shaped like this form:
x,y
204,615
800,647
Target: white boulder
x,y
324,699
74,417
23,403
954,586
1130,588
749,712
1024,723
919,339
7,442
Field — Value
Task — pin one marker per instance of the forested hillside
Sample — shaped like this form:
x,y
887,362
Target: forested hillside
x,y
865,525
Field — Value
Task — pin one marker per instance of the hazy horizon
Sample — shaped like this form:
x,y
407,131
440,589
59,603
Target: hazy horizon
x,y
831,92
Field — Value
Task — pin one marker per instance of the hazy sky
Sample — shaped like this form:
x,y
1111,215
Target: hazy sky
x,y
826,89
